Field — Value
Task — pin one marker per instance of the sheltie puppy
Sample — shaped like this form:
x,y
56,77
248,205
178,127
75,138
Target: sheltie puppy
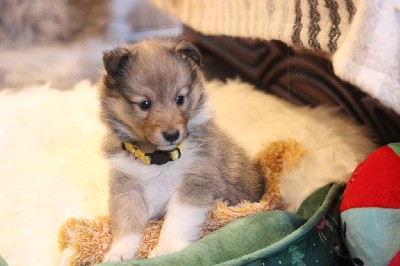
x,y
167,156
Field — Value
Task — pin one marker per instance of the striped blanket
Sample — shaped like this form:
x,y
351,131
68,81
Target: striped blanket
x,y
362,35
316,24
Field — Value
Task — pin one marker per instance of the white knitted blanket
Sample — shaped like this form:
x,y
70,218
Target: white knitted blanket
x,y
364,35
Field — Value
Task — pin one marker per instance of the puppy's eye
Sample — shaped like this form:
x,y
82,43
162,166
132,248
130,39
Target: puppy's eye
x,y
145,105
179,100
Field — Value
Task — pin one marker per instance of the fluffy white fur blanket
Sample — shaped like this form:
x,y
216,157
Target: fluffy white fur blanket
x,y
51,167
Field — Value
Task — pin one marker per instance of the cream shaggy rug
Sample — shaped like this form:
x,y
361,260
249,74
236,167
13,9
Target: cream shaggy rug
x,y
51,168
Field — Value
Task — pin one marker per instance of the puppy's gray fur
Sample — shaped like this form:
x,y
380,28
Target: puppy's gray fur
x,y
211,167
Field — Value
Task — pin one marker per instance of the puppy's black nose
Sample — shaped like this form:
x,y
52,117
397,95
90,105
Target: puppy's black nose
x,y
171,136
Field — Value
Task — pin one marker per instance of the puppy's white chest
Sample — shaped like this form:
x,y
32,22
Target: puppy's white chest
x,y
159,182
158,190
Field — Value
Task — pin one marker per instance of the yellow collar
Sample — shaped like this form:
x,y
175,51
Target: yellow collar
x,y
158,157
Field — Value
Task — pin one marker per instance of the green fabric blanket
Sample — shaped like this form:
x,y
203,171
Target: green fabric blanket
x,y
310,237
2,262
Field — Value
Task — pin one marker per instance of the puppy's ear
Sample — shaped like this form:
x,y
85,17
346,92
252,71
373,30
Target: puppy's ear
x,y
117,61
188,50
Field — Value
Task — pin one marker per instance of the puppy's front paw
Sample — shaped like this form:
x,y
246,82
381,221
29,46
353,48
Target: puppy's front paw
x,y
123,249
164,249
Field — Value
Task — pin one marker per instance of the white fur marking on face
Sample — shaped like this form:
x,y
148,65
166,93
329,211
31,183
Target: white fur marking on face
x,y
182,226
124,248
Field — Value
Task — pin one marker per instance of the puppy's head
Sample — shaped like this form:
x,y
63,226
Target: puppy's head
x,y
153,92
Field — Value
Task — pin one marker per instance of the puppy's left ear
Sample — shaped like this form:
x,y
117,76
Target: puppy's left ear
x,y
117,61
188,50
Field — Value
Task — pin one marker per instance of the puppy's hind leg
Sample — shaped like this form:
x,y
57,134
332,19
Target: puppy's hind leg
x,y
128,216
182,226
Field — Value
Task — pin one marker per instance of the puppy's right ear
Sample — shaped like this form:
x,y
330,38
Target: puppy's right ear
x,y
188,50
117,61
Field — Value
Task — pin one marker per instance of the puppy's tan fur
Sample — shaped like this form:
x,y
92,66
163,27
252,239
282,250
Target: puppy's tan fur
x,y
211,167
